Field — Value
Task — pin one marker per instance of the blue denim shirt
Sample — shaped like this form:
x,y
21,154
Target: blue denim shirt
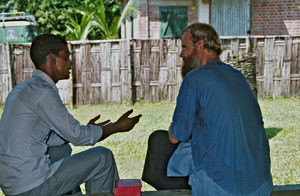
x,y
218,114
34,118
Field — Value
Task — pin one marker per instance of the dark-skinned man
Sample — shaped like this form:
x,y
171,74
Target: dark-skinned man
x,y
36,127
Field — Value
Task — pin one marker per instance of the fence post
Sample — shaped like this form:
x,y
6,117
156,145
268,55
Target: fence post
x,y
71,78
286,67
268,70
5,73
8,68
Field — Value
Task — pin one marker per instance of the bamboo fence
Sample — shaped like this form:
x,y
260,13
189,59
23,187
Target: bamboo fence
x,y
119,71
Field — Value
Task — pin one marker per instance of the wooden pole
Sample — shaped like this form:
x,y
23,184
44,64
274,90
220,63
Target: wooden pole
x,y
71,78
8,66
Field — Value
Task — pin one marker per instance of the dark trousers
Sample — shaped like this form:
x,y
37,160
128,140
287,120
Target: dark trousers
x,y
158,154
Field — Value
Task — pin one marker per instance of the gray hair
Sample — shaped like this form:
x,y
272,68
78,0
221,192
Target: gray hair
x,y
201,31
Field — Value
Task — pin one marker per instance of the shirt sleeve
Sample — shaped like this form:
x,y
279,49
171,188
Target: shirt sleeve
x,y
183,118
55,114
54,139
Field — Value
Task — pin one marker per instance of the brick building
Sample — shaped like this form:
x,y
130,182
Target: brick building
x,y
276,17
166,18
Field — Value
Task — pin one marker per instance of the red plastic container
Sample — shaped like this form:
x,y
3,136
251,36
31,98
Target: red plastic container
x,y
128,187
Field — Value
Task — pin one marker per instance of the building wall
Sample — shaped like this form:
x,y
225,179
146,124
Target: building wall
x,y
203,11
230,17
142,21
268,17
144,28
275,17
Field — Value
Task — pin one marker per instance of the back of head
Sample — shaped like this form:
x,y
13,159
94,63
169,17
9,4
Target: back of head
x,y
201,31
44,45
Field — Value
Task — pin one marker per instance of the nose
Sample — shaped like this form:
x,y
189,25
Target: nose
x,y
181,53
70,63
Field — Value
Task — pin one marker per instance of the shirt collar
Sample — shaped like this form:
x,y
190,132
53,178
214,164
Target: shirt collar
x,y
45,77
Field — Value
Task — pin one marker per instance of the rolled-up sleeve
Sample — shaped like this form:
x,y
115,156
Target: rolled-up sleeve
x,y
96,133
56,115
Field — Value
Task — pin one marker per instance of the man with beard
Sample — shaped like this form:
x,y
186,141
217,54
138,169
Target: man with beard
x,y
217,124
36,129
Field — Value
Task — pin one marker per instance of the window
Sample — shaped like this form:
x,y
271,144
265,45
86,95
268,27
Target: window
x,y
30,32
26,33
12,35
172,20
34,31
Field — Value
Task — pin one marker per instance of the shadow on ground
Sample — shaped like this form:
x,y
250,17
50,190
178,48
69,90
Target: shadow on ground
x,y
272,131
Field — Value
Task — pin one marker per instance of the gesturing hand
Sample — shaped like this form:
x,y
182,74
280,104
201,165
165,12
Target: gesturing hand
x,y
93,121
124,123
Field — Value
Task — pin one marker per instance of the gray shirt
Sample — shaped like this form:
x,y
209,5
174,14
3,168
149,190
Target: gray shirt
x,y
34,118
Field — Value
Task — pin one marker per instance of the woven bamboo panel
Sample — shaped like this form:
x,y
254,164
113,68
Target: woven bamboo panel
x,y
118,71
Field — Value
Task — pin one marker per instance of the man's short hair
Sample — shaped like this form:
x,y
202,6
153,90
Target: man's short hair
x,y
44,45
201,31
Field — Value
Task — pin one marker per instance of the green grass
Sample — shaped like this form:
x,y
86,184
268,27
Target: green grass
x,y
129,148
282,123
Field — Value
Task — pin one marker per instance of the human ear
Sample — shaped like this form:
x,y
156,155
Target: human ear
x,y
200,44
51,59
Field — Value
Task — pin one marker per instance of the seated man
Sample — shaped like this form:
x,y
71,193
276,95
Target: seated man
x,y
223,147
36,127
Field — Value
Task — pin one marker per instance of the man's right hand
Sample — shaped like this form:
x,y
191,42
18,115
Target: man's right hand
x,y
123,124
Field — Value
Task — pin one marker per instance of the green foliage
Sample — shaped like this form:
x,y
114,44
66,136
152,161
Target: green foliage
x,y
102,23
9,6
112,7
53,16
80,31
129,11
106,25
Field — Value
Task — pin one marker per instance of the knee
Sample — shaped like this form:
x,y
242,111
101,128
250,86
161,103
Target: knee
x,y
158,135
159,143
158,138
104,154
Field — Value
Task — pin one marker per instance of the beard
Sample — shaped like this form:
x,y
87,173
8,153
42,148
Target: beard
x,y
189,63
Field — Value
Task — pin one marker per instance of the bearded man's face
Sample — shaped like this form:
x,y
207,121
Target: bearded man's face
x,y
190,62
189,54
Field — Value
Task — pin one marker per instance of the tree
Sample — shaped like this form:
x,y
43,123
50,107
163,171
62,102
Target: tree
x,y
106,31
105,27
80,31
53,16
9,6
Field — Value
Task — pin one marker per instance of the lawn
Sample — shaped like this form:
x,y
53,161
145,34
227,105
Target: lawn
x,y
282,123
